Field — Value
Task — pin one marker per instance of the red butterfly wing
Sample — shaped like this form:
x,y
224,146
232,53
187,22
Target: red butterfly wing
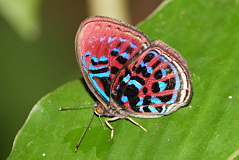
x,y
157,82
103,46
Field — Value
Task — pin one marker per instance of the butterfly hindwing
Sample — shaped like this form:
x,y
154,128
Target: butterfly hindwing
x,y
103,46
155,83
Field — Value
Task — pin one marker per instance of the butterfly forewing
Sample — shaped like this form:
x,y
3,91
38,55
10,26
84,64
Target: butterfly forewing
x,y
103,46
156,83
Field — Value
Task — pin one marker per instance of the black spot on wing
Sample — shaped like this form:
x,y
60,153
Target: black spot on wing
x,y
133,102
131,92
102,70
146,109
119,44
136,109
155,87
158,74
147,100
145,73
138,79
145,90
165,98
106,81
114,70
159,109
170,84
103,62
129,50
169,70
142,70
114,53
156,64
93,62
121,60
127,71
148,57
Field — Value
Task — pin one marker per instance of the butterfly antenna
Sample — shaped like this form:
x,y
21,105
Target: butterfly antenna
x,y
83,134
75,107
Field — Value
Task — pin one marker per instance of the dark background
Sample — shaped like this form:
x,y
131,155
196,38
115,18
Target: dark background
x,y
31,69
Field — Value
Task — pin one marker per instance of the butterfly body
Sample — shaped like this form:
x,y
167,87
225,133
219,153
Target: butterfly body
x,y
129,75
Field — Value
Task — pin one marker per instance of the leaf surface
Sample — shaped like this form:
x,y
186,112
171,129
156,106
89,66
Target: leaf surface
x,y
207,36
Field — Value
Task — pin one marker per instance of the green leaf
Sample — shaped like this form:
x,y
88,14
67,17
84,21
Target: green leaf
x,y
207,34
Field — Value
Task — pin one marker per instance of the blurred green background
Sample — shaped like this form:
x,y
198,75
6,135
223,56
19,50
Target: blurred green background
x,y
37,50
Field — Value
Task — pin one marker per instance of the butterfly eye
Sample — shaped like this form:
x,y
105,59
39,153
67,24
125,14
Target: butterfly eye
x,y
98,110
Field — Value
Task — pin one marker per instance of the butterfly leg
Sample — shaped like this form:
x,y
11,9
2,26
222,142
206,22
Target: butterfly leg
x,y
108,124
137,124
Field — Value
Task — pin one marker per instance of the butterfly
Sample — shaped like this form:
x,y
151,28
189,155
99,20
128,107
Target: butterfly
x,y
130,75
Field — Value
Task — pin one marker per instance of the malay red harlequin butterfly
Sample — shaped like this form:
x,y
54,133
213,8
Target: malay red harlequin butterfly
x,y
130,75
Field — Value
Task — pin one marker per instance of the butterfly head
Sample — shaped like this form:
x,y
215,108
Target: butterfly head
x,y
99,109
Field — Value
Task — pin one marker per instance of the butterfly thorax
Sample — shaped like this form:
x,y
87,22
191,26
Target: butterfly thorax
x,y
110,111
